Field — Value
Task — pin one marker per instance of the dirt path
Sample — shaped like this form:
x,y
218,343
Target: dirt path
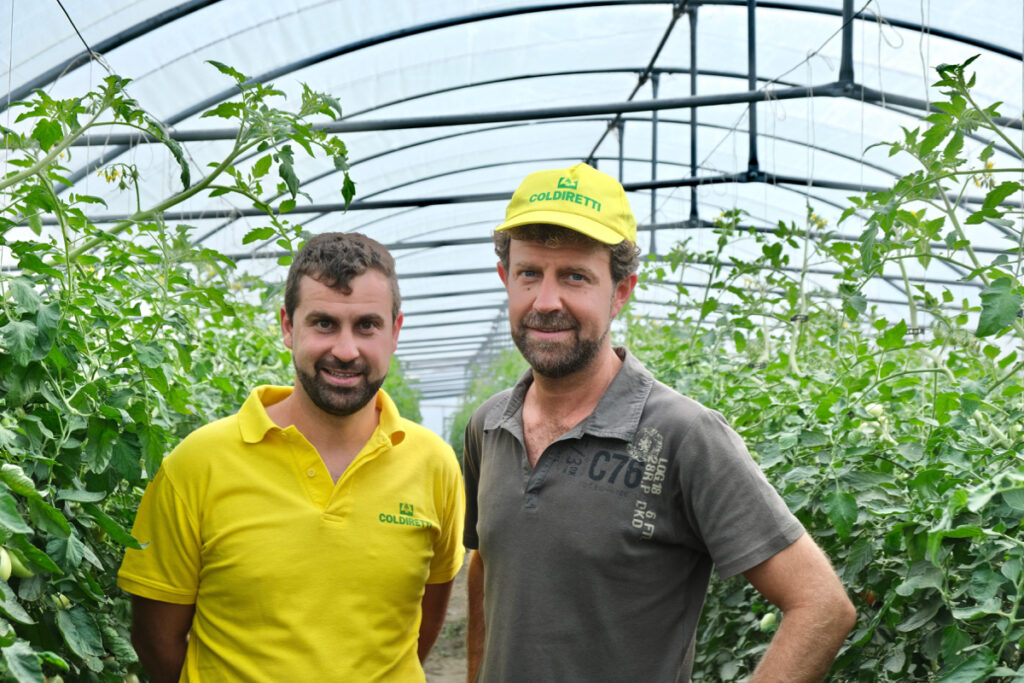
x,y
447,661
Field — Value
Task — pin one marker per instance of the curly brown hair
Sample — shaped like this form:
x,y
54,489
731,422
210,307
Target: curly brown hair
x,y
333,259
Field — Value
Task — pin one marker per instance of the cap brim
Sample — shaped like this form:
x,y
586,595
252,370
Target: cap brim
x,y
580,224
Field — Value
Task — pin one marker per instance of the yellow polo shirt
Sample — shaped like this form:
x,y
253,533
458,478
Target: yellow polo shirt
x,y
295,577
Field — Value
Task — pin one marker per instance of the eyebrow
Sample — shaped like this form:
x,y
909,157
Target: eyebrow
x,y
323,315
575,268
319,315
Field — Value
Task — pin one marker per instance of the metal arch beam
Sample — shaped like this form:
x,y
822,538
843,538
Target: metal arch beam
x,y
453,323
553,74
719,179
445,295
471,341
126,36
832,89
871,16
459,309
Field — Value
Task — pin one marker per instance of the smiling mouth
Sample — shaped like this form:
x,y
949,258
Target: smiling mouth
x,y
336,375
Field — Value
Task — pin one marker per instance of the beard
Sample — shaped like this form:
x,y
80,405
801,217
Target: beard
x,y
335,400
555,359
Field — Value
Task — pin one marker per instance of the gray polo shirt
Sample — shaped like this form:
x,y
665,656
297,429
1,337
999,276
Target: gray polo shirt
x,y
597,560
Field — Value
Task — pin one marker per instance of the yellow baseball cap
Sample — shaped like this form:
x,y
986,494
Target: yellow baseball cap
x,y
580,198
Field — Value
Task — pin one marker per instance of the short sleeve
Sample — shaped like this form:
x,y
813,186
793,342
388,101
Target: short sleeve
x,y
471,474
167,566
740,517
448,549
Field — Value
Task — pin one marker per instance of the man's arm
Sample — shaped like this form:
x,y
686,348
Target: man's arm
x,y
816,613
160,637
435,606
475,621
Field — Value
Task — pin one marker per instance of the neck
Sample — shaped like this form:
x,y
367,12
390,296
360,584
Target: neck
x,y
579,392
323,430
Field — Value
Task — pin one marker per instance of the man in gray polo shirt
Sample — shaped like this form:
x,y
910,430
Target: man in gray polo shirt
x,y
598,499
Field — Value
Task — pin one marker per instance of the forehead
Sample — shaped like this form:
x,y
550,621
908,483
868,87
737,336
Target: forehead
x,y
369,293
595,257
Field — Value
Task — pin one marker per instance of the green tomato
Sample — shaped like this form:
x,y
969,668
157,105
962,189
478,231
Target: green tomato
x,y
875,410
18,568
5,564
768,621
60,601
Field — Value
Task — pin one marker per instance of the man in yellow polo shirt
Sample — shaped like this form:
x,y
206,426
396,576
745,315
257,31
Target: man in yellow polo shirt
x,y
315,534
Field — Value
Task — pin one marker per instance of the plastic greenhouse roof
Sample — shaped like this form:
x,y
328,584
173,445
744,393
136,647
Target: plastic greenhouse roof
x,y
448,104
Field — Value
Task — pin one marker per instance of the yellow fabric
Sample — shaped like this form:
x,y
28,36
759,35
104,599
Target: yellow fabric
x,y
580,198
294,577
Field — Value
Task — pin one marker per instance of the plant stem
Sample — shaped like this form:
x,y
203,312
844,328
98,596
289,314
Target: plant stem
x,y
38,166
58,209
167,203
911,304
1013,371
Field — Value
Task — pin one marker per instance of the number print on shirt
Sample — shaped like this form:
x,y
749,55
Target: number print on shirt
x,y
647,451
607,467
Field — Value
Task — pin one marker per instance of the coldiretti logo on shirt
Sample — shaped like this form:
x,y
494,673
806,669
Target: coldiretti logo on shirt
x,y
567,192
405,517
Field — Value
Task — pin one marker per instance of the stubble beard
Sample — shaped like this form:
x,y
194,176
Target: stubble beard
x,y
554,359
335,400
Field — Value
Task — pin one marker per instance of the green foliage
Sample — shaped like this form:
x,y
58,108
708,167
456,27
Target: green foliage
x,y
897,446
113,346
405,395
502,372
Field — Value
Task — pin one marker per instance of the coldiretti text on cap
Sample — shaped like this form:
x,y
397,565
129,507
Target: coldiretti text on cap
x,y
566,196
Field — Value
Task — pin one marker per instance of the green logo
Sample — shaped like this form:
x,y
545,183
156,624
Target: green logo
x,y
404,517
567,183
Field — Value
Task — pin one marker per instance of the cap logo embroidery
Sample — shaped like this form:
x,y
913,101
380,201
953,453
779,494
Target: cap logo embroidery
x,y
566,196
574,198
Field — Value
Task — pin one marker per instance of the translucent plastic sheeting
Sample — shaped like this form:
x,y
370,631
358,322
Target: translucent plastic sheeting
x,y
507,86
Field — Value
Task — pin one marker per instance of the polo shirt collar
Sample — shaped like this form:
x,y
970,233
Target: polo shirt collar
x,y
254,423
617,414
390,428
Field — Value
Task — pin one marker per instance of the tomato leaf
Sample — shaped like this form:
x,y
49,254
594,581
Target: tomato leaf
x,y
842,511
1000,304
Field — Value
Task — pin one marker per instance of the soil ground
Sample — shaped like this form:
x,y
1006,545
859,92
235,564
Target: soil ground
x,y
447,661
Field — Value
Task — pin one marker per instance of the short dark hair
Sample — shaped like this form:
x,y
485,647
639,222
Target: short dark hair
x,y
333,259
625,256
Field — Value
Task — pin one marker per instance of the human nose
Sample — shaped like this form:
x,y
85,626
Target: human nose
x,y
344,347
548,297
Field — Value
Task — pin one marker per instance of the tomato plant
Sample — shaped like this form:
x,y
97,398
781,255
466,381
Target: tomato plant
x,y
898,446
116,343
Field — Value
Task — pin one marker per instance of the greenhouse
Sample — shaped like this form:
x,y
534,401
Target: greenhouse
x,y
828,201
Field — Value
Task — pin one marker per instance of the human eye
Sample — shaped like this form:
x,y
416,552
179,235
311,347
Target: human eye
x,y
369,325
